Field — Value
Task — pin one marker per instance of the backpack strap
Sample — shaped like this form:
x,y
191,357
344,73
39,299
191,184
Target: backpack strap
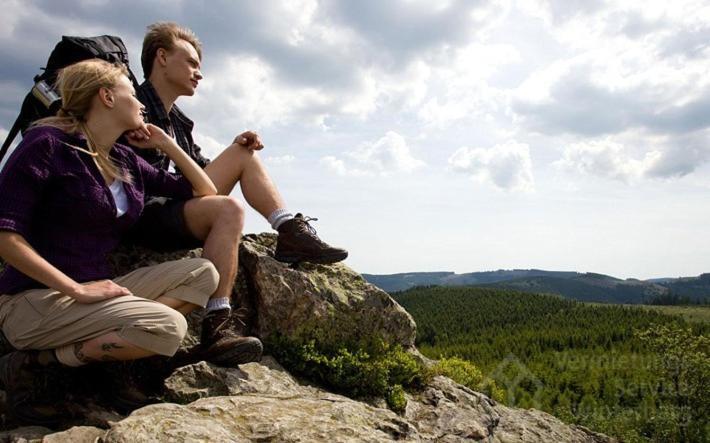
x,y
29,106
11,136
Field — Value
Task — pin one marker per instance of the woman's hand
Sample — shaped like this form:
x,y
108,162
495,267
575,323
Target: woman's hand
x,y
98,291
148,136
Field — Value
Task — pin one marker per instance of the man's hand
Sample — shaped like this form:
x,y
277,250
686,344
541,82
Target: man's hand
x,y
148,136
98,291
249,140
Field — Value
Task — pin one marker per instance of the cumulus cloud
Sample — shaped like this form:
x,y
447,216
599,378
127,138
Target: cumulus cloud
x,y
508,166
338,167
606,158
304,60
634,68
633,157
403,28
388,155
460,89
588,70
581,98
211,148
683,157
282,160
248,93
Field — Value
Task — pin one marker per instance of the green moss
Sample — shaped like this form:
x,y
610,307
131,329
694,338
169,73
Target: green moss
x,y
356,366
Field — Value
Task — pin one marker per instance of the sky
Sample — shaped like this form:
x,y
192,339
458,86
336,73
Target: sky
x,y
445,136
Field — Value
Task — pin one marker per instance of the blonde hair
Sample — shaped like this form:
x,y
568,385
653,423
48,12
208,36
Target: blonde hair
x,y
164,35
78,84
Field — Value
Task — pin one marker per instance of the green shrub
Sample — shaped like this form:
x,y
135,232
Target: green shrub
x,y
368,367
396,399
466,373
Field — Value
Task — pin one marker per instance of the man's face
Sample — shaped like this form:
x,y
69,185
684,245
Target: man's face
x,y
183,68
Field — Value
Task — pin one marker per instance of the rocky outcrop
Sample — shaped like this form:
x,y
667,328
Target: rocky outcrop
x,y
286,299
264,402
283,299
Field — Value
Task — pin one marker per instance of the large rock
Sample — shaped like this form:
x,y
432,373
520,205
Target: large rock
x,y
265,403
288,300
447,411
279,298
24,434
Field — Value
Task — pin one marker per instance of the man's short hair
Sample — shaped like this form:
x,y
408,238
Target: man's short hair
x,y
164,35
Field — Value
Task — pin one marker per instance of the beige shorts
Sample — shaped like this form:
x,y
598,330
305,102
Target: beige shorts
x,y
47,319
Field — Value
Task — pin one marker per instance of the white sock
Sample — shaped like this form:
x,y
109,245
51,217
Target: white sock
x,y
215,304
278,217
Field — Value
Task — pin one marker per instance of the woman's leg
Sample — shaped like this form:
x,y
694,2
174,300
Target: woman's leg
x,y
180,284
181,306
108,347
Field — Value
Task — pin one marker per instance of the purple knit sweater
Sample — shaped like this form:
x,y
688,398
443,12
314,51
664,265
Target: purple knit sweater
x,y
55,197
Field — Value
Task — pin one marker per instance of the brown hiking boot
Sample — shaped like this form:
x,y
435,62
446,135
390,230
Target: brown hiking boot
x,y
33,391
298,242
222,346
129,385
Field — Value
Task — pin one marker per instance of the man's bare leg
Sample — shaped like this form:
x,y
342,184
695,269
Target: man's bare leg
x,y
240,164
218,221
297,241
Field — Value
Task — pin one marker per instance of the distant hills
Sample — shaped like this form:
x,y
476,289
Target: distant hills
x,y
580,286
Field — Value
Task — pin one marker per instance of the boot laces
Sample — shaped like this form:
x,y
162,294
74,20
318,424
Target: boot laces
x,y
238,314
241,314
306,228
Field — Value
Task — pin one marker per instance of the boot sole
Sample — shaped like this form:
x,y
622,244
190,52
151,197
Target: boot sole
x,y
36,420
244,353
321,260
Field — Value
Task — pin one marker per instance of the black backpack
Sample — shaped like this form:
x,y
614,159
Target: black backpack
x,y
43,101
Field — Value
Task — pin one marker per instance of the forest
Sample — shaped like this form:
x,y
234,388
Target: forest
x,y
637,374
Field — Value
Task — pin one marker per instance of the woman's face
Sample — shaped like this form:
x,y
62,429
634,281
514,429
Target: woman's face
x,y
128,109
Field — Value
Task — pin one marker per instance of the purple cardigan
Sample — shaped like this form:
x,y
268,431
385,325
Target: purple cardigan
x,y
55,197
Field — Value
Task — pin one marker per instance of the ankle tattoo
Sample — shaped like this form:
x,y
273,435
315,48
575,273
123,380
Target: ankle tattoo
x,y
79,353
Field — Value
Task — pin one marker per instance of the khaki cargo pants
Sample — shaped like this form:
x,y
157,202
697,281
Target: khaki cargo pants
x,y
46,319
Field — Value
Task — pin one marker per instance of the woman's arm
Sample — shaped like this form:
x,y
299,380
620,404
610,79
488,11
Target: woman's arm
x,y
201,183
15,250
154,137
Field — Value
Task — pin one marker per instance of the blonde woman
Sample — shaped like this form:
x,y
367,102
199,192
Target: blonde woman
x,y
69,193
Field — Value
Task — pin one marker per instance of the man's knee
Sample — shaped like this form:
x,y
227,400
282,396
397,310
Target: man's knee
x,y
203,214
230,214
231,208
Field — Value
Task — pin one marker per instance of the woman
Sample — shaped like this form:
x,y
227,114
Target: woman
x,y
69,192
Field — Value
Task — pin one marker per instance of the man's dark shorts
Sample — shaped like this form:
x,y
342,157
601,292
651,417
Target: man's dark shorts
x,y
162,227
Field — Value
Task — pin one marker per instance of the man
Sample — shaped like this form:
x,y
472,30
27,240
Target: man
x,y
171,60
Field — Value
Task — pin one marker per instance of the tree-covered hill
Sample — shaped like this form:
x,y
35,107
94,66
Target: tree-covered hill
x,y
590,365
578,286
